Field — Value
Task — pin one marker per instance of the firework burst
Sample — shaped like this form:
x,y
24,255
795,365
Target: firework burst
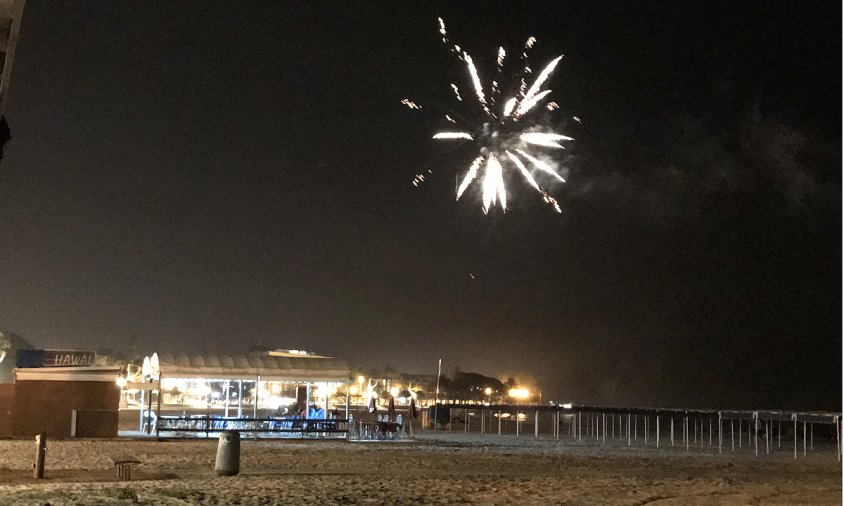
x,y
505,132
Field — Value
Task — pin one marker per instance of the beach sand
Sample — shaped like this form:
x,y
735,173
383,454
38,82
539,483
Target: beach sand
x,y
445,468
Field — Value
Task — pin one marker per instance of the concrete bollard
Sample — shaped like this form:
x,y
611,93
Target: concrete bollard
x,y
228,454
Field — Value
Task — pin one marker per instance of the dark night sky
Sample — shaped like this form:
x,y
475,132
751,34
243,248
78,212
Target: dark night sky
x,y
207,177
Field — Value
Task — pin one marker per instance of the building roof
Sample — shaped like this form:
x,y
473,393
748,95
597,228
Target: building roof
x,y
249,366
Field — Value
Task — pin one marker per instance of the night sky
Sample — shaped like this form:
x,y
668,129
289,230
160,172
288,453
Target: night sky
x,y
197,177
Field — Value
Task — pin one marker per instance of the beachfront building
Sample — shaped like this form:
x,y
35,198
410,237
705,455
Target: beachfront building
x,y
63,393
253,385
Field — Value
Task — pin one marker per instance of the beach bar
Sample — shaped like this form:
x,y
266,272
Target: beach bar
x,y
203,393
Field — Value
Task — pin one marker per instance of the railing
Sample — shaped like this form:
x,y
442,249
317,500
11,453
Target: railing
x,y
760,431
206,425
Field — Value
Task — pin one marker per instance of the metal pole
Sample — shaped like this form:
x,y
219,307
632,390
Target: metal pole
x,y
482,420
466,420
580,425
812,436
499,422
635,427
141,412
710,431
657,431
517,422
240,398
838,437
40,455
157,405
437,397
672,431
645,418
604,425
732,436
149,410
257,393
557,425
767,443
348,385
755,433
794,417
804,438
536,424
628,429
228,391
720,433
687,432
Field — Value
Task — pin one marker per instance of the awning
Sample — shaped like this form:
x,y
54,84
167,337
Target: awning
x,y
299,369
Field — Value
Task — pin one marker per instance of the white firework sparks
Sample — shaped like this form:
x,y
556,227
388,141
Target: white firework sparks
x,y
453,135
503,138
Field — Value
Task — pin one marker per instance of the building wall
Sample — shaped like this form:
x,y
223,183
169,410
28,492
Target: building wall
x,y
46,406
7,404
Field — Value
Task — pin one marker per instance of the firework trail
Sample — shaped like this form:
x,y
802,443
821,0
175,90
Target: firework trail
x,y
504,133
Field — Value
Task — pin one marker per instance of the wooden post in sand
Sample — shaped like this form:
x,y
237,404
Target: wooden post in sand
x,y
40,454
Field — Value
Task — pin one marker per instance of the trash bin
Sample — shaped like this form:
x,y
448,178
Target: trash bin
x,y
228,454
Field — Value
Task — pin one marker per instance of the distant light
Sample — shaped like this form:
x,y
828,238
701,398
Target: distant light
x,y
121,382
361,379
488,391
354,390
519,393
395,391
567,405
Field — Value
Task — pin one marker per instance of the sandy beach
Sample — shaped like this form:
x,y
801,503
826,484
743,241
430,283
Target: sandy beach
x,y
434,469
